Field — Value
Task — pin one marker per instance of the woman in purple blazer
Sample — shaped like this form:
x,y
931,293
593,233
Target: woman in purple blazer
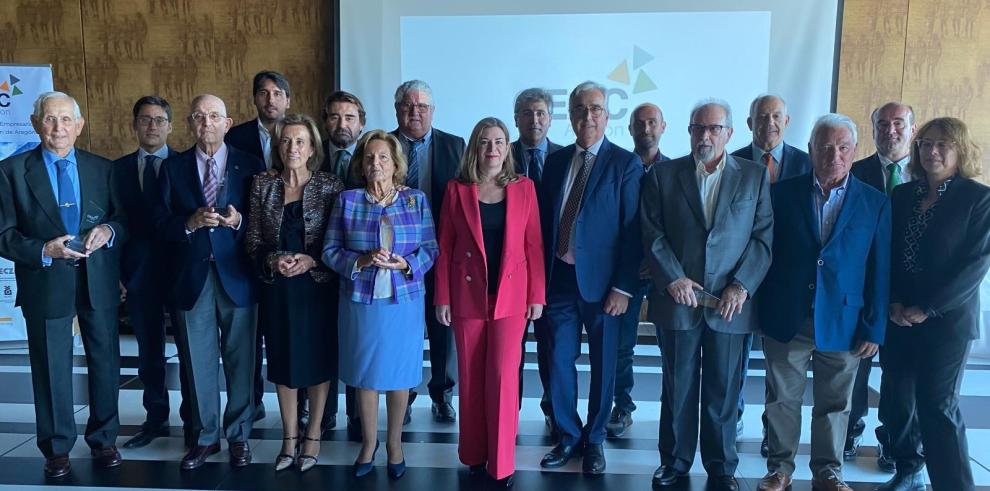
x,y
380,240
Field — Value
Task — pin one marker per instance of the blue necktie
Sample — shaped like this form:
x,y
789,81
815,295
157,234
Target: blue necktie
x,y
415,150
535,164
68,206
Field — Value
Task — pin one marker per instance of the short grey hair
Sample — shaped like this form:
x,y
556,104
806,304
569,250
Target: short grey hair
x,y
762,97
834,120
873,115
711,101
585,87
535,94
413,86
39,104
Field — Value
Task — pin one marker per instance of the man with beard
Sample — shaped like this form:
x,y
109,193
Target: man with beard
x,y
707,228
272,97
893,130
343,119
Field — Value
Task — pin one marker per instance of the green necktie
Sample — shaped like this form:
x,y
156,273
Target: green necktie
x,y
893,176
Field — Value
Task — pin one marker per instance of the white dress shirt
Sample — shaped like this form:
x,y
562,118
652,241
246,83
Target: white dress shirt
x,y
708,184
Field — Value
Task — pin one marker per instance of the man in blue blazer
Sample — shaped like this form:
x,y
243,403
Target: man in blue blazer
x,y
823,303
533,114
433,158
768,119
198,216
588,210
142,264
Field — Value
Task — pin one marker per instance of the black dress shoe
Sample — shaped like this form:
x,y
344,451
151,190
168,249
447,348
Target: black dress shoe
x,y
197,455
618,422
57,466
147,434
477,470
594,460
354,428
725,483
851,449
259,412
884,461
443,412
905,481
106,457
240,454
665,475
559,455
328,423
505,482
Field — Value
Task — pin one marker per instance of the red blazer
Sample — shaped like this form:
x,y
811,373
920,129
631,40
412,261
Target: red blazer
x,y
462,271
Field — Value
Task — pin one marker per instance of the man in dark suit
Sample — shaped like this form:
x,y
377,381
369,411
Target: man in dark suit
x,y
589,200
533,113
433,158
707,226
646,126
768,120
197,216
272,97
823,303
142,264
67,266
343,119
893,131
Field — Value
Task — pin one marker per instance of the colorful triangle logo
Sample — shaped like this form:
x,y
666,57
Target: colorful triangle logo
x,y
14,80
643,83
4,86
640,57
621,73
17,91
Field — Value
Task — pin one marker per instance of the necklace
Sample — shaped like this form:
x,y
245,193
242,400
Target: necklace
x,y
382,200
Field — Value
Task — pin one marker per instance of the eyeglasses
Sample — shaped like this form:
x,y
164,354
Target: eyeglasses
x,y
409,107
594,109
529,113
145,120
214,117
925,145
700,129
51,120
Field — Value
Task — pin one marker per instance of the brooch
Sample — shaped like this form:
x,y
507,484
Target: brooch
x,y
411,202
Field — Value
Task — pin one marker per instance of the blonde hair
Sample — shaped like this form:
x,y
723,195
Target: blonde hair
x,y
955,131
398,157
469,172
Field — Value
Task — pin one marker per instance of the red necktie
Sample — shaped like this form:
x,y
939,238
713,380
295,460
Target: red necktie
x,y
771,164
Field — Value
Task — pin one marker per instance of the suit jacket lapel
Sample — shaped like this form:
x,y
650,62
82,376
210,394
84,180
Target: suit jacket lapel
x,y
690,186
601,161
192,173
807,196
726,188
468,194
233,172
41,187
849,209
89,183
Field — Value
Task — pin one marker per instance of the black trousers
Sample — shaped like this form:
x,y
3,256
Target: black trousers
x,y
919,404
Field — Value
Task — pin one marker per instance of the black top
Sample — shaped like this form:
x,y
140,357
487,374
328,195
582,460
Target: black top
x,y
493,233
293,235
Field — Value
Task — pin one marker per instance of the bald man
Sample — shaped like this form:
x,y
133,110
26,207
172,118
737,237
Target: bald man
x,y
200,217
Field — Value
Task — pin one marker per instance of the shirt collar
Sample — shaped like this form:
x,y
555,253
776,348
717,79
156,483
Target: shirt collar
x,y
262,129
220,156
902,163
777,152
332,149
50,156
593,149
840,189
542,146
700,166
426,138
161,153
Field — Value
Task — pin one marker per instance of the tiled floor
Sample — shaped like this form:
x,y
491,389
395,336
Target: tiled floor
x,y
430,448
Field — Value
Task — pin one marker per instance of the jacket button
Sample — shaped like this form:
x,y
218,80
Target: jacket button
x,y
213,230
467,278
468,253
811,286
821,263
510,276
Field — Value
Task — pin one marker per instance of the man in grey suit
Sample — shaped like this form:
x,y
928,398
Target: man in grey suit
x,y
707,227
42,211
533,113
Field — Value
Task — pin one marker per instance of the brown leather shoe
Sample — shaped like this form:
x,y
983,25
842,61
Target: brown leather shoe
x,y
57,466
829,481
240,454
106,457
775,481
197,456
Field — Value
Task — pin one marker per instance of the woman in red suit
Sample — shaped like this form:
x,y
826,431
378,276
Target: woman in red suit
x,y
490,283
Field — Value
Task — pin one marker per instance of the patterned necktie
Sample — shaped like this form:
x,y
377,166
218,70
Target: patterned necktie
x,y
210,182
149,178
68,206
340,164
573,204
415,151
771,164
893,176
535,164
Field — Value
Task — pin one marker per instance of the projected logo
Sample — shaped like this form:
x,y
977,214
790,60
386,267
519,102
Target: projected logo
x,y
9,89
643,81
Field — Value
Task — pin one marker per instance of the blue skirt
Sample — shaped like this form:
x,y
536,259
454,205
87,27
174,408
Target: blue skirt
x,y
381,344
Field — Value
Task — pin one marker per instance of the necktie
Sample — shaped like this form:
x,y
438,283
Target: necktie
x,y
68,206
149,178
210,182
893,176
340,164
771,164
535,171
415,151
573,204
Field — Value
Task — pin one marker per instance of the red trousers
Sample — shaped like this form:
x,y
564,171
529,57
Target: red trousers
x,y
488,354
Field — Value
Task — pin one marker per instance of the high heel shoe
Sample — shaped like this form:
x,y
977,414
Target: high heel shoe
x,y
396,471
364,468
306,462
284,461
